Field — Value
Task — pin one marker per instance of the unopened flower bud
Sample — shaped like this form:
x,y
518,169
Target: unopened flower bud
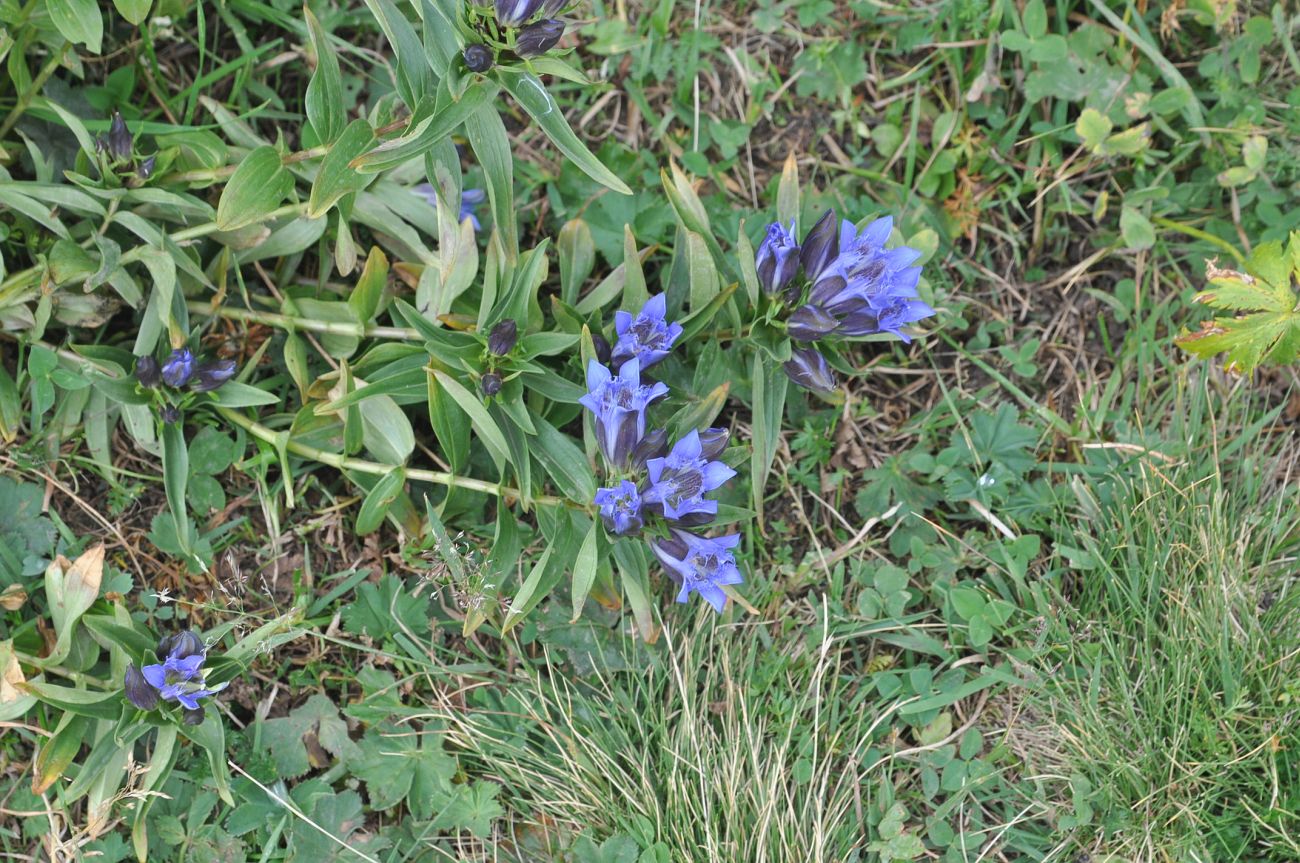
x,y
478,58
179,368
147,371
653,445
145,169
170,414
119,139
138,691
777,258
808,369
603,350
211,375
809,323
180,645
539,38
821,246
490,384
713,441
503,337
195,716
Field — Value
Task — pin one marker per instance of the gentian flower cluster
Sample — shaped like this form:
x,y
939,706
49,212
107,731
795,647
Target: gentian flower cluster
x,y
657,486
845,284
179,677
181,369
537,31
118,147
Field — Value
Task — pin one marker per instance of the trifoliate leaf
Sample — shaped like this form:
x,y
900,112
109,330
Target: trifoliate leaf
x,y
1269,329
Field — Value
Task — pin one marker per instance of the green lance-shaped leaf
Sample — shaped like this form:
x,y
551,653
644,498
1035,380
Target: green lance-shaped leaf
x,y
769,389
635,293
491,144
528,596
787,193
78,21
425,135
176,474
378,500
258,186
337,177
532,95
369,289
58,751
584,569
326,110
577,250
484,425
161,762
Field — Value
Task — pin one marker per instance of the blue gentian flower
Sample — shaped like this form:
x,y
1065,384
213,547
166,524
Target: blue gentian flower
x,y
777,258
618,405
699,565
208,376
512,13
809,323
820,247
679,480
179,677
179,368
647,337
808,368
620,508
539,37
865,273
469,201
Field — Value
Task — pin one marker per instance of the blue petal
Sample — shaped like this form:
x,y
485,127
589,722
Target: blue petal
x,y
155,675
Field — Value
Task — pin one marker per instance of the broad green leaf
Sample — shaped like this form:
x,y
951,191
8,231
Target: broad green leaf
x,y
584,569
564,462
337,177
176,473
524,599
134,11
83,702
577,251
258,186
787,193
532,95
491,144
79,21
369,289
378,500
769,389
635,293
1136,228
326,110
486,428
57,752
748,275
405,765
426,134
210,736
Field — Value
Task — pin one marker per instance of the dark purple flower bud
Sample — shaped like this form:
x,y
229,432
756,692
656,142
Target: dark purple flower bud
x,y
179,368
603,350
698,518
512,13
145,170
478,58
147,371
180,645
809,323
490,384
777,259
170,414
653,445
503,337
212,375
194,716
808,369
138,690
539,38
713,441
821,246
119,139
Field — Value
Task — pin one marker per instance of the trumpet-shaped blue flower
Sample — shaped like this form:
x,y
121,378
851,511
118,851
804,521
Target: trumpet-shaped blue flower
x,y
620,508
179,677
646,337
618,405
679,480
807,368
178,368
777,259
865,273
699,565
209,376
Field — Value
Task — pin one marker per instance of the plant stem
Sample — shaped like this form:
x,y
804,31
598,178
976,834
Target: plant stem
x,y
379,469
292,322
1218,242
